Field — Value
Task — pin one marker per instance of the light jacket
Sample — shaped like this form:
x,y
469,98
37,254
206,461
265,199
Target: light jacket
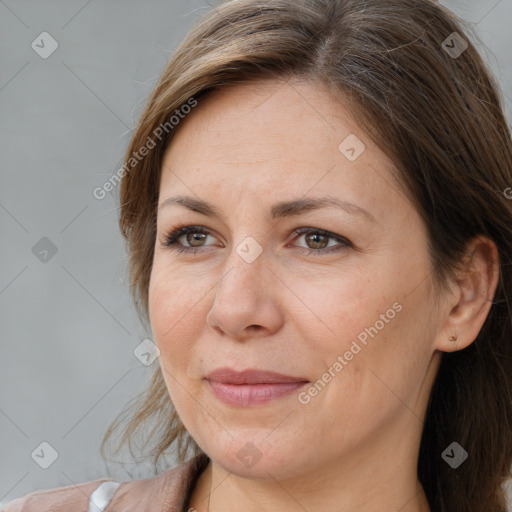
x,y
168,492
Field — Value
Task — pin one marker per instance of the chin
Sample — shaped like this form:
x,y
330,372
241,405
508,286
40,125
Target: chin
x,y
258,459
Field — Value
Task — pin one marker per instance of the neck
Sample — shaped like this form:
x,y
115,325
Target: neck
x,y
230,494
369,480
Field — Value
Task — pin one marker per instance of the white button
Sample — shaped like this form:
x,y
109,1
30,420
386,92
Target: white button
x,y
102,496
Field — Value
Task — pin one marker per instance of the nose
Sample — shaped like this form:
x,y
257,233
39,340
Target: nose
x,y
247,300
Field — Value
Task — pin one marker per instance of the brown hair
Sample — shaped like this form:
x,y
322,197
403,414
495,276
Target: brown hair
x,y
444,127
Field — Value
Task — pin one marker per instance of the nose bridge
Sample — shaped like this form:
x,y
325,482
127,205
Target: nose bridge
x,y
245,266
244,297
251,251
249,232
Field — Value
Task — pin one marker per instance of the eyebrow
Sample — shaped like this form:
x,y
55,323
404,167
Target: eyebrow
x,y
278,210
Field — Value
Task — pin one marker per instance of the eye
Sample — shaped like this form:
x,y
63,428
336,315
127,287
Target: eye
x,y
195,236
319,239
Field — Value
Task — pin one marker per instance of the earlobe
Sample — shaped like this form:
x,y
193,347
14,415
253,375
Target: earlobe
x,y
474,293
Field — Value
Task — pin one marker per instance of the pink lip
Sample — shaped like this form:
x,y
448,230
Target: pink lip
x,y
252,386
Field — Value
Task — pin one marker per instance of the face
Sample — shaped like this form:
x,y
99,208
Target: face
x,y
336,297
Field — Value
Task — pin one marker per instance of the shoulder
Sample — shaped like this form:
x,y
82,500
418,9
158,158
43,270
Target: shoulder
x,y
76,497
168,492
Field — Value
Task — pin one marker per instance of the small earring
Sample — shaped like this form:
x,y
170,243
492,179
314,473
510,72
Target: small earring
x,y
453,338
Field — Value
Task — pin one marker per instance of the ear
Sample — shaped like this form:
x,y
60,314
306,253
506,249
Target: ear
x,y
468,306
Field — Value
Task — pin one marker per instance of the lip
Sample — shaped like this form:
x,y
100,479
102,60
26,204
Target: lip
x,y
251,376
252,386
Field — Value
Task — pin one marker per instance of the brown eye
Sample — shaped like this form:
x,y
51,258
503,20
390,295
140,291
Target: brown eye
x,y
195,239
316,241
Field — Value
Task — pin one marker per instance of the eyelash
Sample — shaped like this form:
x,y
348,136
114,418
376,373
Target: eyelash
x,y
171,240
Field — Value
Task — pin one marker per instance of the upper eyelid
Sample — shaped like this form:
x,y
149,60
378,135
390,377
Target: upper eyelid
x,y
175,233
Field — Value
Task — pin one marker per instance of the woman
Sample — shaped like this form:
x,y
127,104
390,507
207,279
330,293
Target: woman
x,y
315,204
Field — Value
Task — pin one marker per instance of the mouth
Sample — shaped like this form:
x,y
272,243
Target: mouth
x,y
251,387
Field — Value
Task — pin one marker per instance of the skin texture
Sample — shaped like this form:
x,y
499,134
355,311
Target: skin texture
x,y
354,445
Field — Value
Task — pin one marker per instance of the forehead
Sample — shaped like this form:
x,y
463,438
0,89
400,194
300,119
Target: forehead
x,y
264,118
275,138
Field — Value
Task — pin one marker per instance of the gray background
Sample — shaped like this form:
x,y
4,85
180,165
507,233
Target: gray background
x,y
68,329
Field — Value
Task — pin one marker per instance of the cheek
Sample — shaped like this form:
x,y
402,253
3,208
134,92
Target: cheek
x,y
373,324
176,310
335,309
176,316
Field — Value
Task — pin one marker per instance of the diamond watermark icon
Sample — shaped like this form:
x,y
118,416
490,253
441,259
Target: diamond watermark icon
x,y
455,45
454,455
146,352
249,455
249,249
44,45
44,250
352,147
45,455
